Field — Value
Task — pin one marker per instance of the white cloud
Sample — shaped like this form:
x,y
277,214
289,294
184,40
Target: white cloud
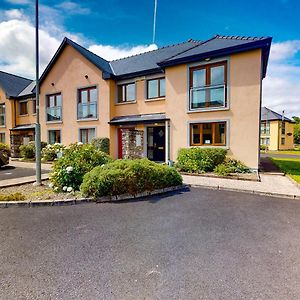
x,y
73,8
281,88
19,1
111,52
13,14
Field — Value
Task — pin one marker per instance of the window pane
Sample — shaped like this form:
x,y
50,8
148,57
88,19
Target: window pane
x,y
199,78
2,109
93,95
91,134
207,133
23,108
130,92
121,93
220,133
58,100
216,96
34,106
152,88
198,98
217,75
54,136
2,138
162,89
196,134
51,101
84,96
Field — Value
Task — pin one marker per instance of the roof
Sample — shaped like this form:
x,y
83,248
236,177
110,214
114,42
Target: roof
x,y
13,84
156,60
23,127
270,115
29,90
148,61
221,46
134,119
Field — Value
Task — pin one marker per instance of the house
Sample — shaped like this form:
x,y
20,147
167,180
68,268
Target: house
x,y
191,94
17,110
277,131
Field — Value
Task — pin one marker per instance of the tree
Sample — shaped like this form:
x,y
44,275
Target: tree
x,y
297,130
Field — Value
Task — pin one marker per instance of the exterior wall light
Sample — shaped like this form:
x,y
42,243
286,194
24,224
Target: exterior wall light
x,y
86,76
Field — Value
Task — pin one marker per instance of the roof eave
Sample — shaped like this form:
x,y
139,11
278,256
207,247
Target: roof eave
x,y
140,73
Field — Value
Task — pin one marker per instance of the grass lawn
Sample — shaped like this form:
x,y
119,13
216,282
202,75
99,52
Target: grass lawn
x,y
293,152
290,166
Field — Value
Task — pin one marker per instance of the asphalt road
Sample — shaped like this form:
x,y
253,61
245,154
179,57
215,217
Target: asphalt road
x,y
201,244
280,155
11,172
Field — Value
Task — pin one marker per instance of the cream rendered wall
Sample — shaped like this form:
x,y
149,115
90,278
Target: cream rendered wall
x,y
275,136
243,115
9,114
26,119
68,74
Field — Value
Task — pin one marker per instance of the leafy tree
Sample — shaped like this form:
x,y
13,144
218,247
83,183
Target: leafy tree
x,y
296,119
297,134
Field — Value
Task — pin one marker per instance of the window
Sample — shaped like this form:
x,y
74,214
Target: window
x,y
2,137
282,128
265,127
208,86
86,135
156,88
54,103
87,103
265,141
54,136
126,92
23,108
282,141
2,114
213,134
33,106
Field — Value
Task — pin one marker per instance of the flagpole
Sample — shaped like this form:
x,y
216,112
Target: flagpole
x,y
37,94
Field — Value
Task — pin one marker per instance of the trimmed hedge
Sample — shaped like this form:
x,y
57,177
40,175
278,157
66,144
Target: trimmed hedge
x,y
101,144
231,166
28,151
77,160
128,176
199,160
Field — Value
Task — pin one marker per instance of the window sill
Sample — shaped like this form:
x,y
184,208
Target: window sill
x,y
2,126
210,146
54,122
124,103
87,119
155,99
25,115
223,108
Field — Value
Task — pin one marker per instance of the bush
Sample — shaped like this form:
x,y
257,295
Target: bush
x,y
50,152
128,176
28,151
12,197
77,160
5,148
101,144
263,147
198,160
231,166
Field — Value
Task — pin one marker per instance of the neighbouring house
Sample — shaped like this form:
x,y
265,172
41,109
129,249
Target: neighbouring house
x,y
277,131
17,110
191,94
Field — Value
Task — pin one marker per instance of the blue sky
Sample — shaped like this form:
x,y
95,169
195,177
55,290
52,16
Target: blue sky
x,y
118,28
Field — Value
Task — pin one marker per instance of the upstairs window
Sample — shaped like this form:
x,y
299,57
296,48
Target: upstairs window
x,y
87,103
283,128
126,93
156,88
23,108
265,127
34,106
208,86
2,114
208,134
54,107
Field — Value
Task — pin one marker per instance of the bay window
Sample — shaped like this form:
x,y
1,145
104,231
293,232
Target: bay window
x,y
208,86
208,134
23,108
87,103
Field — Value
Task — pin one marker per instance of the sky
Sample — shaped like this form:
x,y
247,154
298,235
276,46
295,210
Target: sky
x,y
118,28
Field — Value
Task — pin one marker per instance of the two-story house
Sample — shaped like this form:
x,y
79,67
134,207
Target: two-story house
x,y
277,131
17,110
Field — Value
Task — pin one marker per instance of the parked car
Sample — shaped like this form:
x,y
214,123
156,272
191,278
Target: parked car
x,y
4,157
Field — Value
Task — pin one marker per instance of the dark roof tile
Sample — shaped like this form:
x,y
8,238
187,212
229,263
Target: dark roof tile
x,y
270,115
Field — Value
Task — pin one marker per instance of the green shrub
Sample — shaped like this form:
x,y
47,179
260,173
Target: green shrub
x,y
128,176
12,197
263,147
50,152
77,160
198,160
28,151
101,144
5,148
231,166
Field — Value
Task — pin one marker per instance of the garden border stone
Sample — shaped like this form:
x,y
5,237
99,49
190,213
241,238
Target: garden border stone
x,y
5,204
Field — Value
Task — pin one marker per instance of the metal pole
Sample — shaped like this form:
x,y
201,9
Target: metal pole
x,y
37,93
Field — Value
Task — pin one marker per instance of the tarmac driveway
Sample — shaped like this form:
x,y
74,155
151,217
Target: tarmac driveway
x,y
12,172
202,244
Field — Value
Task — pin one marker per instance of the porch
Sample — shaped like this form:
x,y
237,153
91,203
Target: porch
x,y
145,135
21,135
